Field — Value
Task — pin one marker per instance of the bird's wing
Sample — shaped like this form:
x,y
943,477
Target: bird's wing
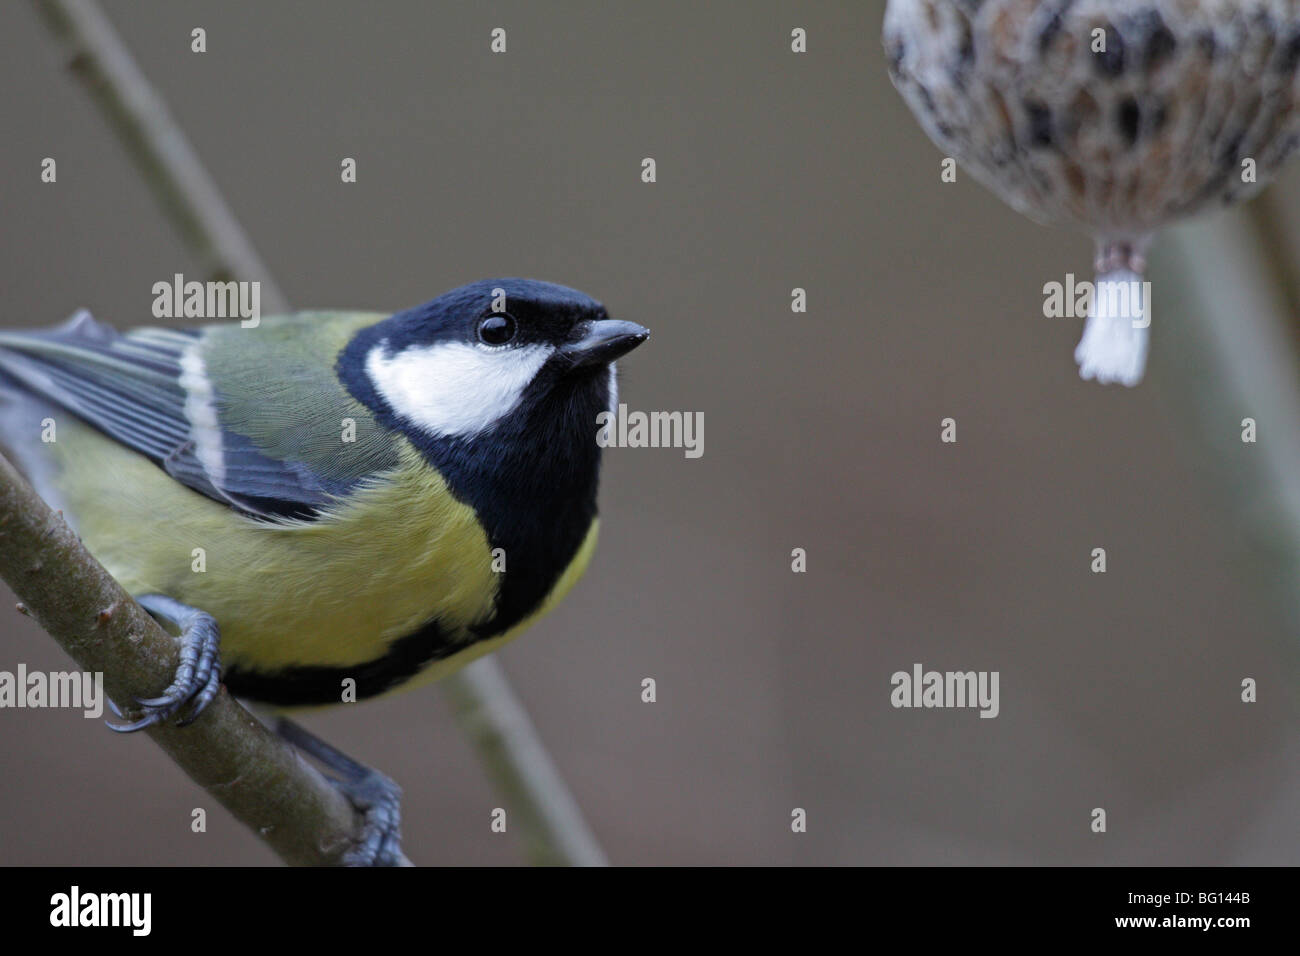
x,y
253,417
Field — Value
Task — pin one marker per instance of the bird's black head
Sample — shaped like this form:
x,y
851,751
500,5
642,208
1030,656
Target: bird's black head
x,y
499,384
462,365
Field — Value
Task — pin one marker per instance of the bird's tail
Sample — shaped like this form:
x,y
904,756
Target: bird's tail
x,y
29,419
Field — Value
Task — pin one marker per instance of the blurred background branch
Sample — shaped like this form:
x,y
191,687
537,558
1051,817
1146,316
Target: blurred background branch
x,y
488,709
1229,298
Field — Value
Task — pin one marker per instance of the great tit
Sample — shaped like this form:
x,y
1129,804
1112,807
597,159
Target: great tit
x,y
356,501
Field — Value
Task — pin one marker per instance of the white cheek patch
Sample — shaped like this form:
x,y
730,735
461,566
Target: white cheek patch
x,y
454,388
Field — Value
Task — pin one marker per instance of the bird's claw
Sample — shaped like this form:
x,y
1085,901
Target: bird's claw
x,y
376,797
198,676
379,800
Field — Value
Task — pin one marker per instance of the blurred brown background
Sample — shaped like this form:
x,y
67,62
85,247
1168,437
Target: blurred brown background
x,y
775,170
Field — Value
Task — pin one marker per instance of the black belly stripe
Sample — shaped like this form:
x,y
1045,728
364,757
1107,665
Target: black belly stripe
x,y
312,686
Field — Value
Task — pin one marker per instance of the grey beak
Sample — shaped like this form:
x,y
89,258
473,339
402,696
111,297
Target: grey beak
x,y
603,340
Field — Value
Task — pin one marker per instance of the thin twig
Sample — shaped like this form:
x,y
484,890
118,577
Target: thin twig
x,y
1230,330
159,148
554,831
1283,266
508,745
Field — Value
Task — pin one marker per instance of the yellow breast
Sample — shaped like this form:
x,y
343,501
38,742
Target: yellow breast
x,y
331,592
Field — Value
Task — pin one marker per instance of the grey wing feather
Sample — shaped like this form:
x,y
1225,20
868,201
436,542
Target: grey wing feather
x,y
133,387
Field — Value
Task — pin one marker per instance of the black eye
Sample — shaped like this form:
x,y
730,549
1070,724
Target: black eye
x,y
497,329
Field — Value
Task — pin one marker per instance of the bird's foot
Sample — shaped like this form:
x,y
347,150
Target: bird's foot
x,y
198,676
375,796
